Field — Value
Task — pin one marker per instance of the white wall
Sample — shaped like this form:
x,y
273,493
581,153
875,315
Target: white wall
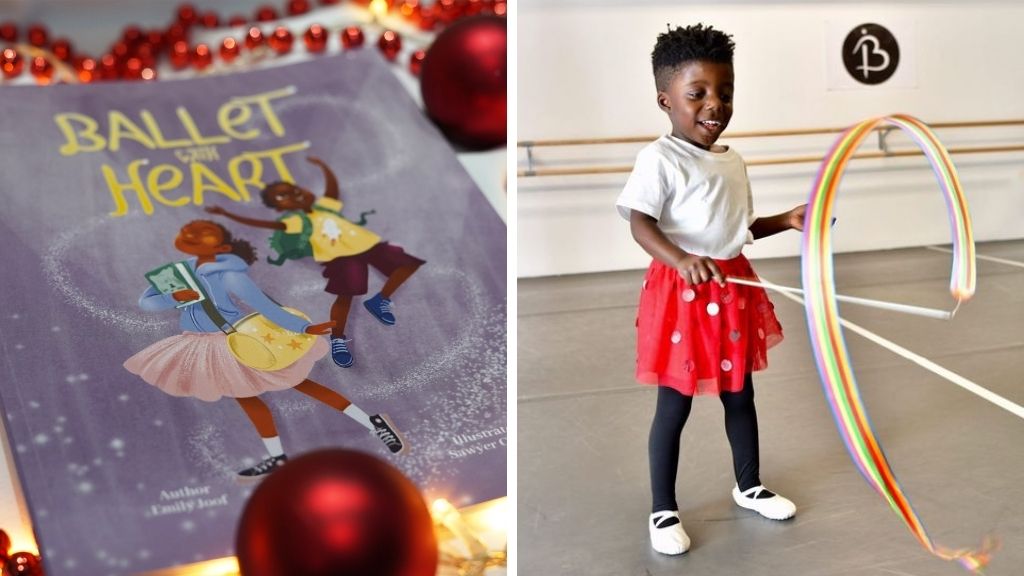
x,y
584,71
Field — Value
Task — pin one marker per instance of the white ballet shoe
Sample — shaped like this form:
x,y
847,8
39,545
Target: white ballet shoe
x,y
775,507
670,540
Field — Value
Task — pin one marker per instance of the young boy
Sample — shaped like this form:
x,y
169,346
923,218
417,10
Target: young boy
x,y
689,206
345,249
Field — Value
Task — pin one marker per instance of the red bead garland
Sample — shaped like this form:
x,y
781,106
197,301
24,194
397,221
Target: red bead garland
x,y
135,54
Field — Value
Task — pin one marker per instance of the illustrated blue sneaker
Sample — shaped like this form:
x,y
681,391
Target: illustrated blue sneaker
x,y
340,353
380,307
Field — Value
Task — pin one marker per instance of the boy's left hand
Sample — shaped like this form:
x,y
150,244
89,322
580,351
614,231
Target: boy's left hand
x,y
795,217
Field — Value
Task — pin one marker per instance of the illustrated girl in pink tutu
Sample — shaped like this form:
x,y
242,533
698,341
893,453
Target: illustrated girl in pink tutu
x,y
198,362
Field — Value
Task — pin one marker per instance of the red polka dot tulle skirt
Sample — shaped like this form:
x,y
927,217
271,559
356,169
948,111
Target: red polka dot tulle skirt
x,y
703,339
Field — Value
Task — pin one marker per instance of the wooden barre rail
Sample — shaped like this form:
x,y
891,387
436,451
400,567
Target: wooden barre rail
x,y
768,161
755,134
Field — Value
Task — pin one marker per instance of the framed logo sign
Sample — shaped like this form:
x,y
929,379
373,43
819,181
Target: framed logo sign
x,y
865,53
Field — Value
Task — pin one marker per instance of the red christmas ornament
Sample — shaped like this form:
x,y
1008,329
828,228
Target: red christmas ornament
x,y
132,35
266,14
11,63
24,564
9,32
181,53
61,48
336,513
500,8
187,14
352,37
209,19
296,7
110,68
427,18
408,8
175,32
463,82
42,69
254,38
85,67
416,62
5,546
281,40
154,38
390,44
229,49
120,50
315,39
201,57
37,35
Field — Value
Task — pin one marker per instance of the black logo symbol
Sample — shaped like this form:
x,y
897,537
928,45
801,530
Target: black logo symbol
x,y
871,53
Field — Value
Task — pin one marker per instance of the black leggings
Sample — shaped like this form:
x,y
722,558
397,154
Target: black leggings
x,y
669,419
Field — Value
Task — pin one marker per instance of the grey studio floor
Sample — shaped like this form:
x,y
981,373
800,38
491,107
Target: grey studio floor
x,y
583,491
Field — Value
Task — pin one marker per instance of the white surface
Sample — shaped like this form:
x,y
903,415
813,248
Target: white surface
x,y
584,72
104,19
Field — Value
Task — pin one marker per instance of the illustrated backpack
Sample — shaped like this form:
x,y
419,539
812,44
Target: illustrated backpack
x,y
297,246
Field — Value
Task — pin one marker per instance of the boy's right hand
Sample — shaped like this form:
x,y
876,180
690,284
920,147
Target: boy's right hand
x,y
186,295
699,269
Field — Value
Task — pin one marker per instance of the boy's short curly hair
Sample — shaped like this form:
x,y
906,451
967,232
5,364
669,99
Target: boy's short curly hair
x,y
698,42
265,194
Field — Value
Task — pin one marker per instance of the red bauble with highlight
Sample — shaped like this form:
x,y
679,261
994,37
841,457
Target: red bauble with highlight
x,y
201,57
229,49
42,69
336,513
390,44
315,39
464,82
281,40
24,564
254,38
11,63
352,37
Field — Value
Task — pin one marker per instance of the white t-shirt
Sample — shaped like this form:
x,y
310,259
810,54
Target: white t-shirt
x,y
701,199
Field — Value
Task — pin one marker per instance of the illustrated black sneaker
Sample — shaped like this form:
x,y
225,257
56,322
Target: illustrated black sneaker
x,y
265,467
386,432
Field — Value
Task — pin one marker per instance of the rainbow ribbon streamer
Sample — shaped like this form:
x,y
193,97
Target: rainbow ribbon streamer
x,y
826,335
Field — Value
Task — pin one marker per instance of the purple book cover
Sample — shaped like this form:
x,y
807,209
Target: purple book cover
x,y
130,414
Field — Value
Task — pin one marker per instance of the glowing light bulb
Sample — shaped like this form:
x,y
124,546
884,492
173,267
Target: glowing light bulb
x,y
379,9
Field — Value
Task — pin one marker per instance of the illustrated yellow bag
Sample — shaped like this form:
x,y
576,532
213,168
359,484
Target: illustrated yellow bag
x,y
258,343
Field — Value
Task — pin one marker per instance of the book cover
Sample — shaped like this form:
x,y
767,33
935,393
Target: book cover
x,y
315,195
